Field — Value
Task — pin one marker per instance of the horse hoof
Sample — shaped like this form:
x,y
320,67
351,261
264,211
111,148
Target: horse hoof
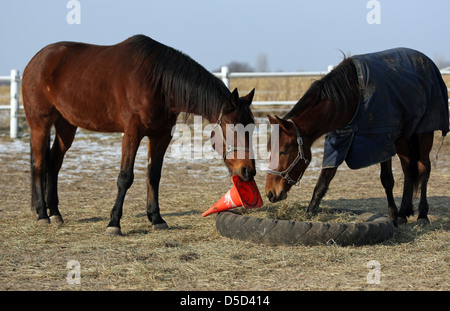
x,y
161,226
56,219
113,231
401,221
423,222
43,222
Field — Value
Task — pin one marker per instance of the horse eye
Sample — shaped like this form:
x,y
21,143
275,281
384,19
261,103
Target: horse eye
x,y
283,152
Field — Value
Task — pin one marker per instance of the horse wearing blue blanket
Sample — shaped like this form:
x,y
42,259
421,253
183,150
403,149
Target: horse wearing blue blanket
x,y
371,107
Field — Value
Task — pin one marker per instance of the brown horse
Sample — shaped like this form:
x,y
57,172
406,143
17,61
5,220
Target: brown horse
x,y
368,118
137,87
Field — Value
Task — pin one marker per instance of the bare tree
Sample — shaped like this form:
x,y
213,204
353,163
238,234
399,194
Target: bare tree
x,y
262,64
236,66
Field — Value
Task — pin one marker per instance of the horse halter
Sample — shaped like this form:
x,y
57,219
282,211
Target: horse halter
x,y
300,156
228,147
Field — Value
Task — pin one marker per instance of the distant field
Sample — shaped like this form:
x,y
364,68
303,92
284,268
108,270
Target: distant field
x,y
274,89
267,89
282,88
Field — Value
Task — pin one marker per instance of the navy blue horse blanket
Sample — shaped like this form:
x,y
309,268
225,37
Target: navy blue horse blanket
x,y
401,93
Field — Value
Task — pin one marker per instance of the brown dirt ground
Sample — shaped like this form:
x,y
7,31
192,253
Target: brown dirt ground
x,y
192,255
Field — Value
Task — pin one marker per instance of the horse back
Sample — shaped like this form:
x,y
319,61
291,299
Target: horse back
x,y
402,88
91,86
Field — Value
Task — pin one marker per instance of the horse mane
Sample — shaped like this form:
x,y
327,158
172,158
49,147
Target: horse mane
x,y
184,84
340,86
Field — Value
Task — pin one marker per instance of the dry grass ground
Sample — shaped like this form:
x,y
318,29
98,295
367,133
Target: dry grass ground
x,y
191,255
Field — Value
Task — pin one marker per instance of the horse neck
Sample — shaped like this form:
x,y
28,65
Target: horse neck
x,y
324,117
212,115
209,107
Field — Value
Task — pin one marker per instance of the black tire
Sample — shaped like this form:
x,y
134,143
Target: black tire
x,y
372,229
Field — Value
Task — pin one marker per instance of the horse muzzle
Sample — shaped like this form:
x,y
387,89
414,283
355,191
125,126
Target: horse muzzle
x,y
273,197
246,173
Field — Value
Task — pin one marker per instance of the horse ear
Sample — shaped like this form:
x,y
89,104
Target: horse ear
x,y
232,103
234,98
284,124
249,97
272,120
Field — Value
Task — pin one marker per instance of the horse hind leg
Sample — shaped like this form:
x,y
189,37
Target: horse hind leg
x,y
39,158
34,195
425,144
387,180
404,148
64,135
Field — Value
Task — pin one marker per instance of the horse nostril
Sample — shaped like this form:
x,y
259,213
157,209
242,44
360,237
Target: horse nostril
x,y
282,196
247,174
270,196
244,172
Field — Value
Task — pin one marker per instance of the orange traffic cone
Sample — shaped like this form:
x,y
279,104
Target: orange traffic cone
x,y
243,193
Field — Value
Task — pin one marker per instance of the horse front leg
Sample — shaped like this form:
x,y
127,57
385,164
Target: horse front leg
x,y
321,188
130,145
157,147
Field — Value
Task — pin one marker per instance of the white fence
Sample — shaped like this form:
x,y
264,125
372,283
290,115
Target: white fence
x,y
225,75
14,80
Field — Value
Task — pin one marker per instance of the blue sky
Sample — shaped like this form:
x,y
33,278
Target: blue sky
x,y
294,34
